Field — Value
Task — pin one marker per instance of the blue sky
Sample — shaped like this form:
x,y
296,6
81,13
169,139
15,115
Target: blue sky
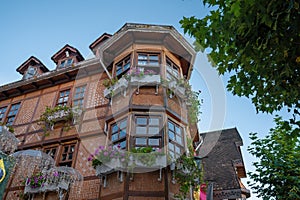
x,y
41,28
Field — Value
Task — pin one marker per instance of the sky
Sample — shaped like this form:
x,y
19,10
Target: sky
x,y
41,28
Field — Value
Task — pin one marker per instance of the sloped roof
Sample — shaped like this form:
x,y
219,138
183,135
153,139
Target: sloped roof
x,y
220,153
31,61
99,40
57,55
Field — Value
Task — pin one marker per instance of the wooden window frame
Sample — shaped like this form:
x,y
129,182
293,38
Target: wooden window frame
x,y
81,95
64,62
172,65
56,147
12,114
63,103
27,75
174,142
148,65
119,130
147,136
67,162
122,63
2,114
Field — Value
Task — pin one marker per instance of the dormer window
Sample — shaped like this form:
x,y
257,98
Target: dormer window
x,y
31,72
66,63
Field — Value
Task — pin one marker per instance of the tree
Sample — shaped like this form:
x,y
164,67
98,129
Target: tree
x,y
258,43
259,40
278,168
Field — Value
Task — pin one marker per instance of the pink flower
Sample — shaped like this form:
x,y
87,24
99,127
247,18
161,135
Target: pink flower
x,y
55,174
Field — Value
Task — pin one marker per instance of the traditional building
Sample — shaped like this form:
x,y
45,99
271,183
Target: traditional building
x,y
132,95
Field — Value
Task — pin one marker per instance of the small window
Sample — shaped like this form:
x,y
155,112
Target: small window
x,y
12,114
119,133
51,152
79,96
65,63
2,113
67,155
31,72
176,140
123,66
173,72
63,98
147,131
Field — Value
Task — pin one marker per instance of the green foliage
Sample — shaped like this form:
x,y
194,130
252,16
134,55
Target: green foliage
x,y
103,155
110,82
187,175
259,43
146,155
53,115
10,128
277,173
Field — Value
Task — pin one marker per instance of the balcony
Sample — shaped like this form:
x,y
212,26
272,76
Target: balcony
x,y
57,179
116,88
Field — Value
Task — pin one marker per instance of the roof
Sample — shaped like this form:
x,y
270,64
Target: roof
x,y
56,57
31,61
99,40
221,156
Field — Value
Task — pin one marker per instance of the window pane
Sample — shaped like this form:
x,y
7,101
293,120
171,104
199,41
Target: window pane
x,y
177,150
171,126
140,141
153,57
171,135
123,133
141,121
114,137
153,121
171,146
141,130
115,128
123,124
142,57
154,142
153,130
178,130
178,139
123,144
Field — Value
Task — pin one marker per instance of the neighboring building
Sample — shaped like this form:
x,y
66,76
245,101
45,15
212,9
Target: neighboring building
x,y
146,106
223,164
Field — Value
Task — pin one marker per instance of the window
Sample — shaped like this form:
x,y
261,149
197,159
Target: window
x,y
65,63
172,70
67,155
63,98
51,152
2,113
123,66
31,72
149,61
79,96
147,131
118,134
176,141
12,114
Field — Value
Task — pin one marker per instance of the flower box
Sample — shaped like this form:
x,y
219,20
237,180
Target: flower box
x,y
120,86
145,80
138,161
109,167
179,90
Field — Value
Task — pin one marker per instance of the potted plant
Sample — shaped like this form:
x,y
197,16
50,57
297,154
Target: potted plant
x,y
140,76
148,157
54,115
107,160
114,86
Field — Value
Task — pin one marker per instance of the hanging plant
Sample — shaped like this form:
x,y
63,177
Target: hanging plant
x,y
57,114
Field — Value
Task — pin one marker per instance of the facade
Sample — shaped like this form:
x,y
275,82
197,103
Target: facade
x,y
131,95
